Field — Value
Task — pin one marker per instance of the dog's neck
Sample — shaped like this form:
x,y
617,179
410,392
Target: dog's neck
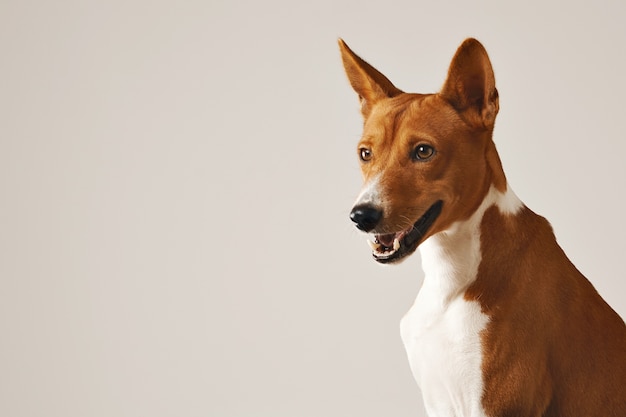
x,y
451,258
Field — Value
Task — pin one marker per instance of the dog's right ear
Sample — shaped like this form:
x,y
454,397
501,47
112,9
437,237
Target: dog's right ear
x,y
367,81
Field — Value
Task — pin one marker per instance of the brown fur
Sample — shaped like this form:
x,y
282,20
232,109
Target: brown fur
x,y
552,347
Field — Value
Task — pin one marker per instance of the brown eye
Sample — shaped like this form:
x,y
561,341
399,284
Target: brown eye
x,y
365,154
423,152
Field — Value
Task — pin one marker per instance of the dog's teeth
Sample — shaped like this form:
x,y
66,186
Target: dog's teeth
x,y
375,246
396,244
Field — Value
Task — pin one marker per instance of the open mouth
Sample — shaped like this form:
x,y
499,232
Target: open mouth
x,y
392,247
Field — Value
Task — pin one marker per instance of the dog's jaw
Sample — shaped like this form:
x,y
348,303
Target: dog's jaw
x,y
393,247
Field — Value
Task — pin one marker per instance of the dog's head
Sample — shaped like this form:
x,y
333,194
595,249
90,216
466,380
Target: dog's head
x,y
427,160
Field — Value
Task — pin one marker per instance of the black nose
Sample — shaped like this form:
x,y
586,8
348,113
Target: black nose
x,y
365,216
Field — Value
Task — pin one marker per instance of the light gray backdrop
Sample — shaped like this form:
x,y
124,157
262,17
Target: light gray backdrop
x,y
176,177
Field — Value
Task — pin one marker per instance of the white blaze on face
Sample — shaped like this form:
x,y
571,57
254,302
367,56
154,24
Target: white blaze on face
x,y
370,193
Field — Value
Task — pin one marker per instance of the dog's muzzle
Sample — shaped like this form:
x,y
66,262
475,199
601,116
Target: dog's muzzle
x,y
391,247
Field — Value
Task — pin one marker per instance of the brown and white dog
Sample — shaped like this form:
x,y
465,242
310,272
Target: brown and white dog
x,y
504,324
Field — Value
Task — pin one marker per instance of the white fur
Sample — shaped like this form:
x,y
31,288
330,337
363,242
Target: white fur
x,y
370,193
508,202
441,331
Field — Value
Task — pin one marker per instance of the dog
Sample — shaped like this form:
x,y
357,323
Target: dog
x,y
504,324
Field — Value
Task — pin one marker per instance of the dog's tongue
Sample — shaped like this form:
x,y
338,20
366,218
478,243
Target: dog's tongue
x,y
386,240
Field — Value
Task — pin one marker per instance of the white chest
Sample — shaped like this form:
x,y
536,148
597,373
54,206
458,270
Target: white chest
x,y
444,350
441,331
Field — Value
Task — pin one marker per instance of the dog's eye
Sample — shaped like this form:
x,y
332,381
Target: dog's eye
x,y
423,152
365,154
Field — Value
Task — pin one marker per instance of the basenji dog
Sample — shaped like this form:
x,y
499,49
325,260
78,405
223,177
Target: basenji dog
x,y
504,324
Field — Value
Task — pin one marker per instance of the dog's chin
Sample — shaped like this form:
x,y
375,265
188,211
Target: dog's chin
x,y
395,247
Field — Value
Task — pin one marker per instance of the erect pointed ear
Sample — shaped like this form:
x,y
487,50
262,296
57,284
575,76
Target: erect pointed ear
x,y
471,86
367,81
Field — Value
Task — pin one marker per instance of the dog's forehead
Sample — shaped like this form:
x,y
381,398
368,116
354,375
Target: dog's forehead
x,y
389,116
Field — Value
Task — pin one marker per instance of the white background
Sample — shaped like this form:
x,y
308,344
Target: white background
x,y
176,177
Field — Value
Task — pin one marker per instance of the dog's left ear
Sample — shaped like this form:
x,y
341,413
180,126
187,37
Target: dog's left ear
x,y
471,85
367,81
